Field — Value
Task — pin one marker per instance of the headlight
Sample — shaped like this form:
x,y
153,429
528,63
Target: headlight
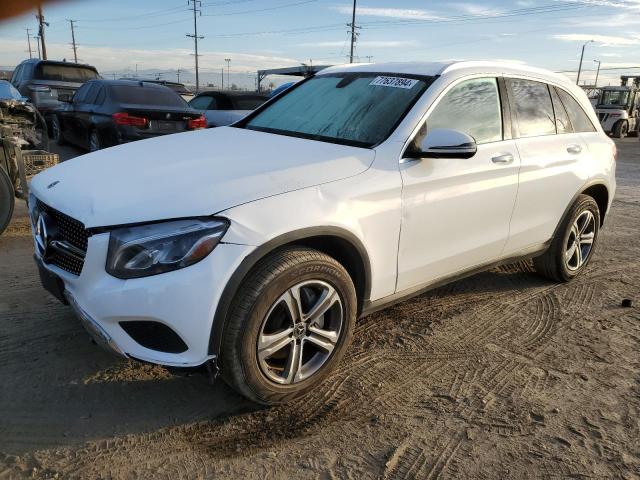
x,y
162,247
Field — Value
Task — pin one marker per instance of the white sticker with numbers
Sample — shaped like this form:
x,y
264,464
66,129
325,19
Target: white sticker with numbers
x,y
395,82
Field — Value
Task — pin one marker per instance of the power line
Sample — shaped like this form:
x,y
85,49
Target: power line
x,y
196,37
278,7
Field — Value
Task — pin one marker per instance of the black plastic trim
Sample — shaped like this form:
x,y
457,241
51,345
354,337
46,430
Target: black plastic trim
x,y
233,285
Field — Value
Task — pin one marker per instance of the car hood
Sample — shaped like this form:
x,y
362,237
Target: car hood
x,y
191,174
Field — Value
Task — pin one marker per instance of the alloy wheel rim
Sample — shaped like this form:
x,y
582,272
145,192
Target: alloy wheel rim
x,y
580,241
300,332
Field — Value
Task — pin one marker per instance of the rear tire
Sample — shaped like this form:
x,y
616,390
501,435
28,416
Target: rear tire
x,y
7,200
621,129
574,243
271,354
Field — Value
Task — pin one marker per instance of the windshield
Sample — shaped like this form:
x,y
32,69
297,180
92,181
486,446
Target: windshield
x,y
614,97
9,91
65,73
359,109
146,95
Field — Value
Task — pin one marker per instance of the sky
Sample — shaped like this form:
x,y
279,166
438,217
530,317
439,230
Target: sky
x,y
120,36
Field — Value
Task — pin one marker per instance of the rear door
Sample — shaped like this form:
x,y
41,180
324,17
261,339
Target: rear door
x,y
551,152
456,212
84,113
68,115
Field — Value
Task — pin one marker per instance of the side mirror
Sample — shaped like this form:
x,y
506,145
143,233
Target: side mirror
x,y
445,143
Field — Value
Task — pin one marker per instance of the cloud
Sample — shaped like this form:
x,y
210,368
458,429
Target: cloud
x,y
610,55
117,59
403,13
474,9
612,21
364,43
605,40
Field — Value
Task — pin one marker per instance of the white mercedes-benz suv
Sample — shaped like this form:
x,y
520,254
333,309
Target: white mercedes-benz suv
x,y
254,248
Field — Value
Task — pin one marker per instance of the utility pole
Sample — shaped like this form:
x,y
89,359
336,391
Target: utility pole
x,y
222,77
37,38
368,57
178,74
353,31
581,57
195,36
41,25
595,84
73,42
228,60
29,41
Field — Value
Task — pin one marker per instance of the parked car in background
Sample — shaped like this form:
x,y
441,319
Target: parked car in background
x,y
47,83
103,113
256,247
9,92
179,88
225,108
281,88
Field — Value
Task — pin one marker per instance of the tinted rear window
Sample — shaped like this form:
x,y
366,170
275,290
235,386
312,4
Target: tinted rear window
x,y
65,73
247,103
146,95
579,118
534,109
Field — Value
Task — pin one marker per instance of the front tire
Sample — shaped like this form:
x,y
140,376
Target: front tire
x,y
289,325
56,131
621,129
95,142
572,247
7,200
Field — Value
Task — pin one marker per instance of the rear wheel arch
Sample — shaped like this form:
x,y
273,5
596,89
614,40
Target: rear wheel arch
x,y
336,242
600,194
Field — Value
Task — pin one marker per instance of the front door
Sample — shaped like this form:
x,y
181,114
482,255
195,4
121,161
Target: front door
x,y
456,212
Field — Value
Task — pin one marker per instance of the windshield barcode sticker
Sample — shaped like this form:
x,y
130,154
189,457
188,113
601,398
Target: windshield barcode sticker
x,y
395,82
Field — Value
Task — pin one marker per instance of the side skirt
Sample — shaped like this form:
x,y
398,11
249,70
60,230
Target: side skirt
x,y
370,307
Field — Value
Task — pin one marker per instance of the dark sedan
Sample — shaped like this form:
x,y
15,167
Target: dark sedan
x,y
103,113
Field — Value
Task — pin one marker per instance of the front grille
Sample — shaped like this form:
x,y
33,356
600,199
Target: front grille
x,y
71,231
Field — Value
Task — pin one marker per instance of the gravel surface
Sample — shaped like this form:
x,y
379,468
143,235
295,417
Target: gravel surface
x,y
501,375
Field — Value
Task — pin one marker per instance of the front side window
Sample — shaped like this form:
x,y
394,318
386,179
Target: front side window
x,y
359,109
579,118
471,107
247,102
78,97
533,108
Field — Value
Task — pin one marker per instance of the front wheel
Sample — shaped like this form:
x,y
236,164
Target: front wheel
x,y
572,247
95,143
7,200
289,326
621,129
56,131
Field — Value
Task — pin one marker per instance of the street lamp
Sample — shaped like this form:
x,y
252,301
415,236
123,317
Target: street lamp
x,y
597,72
581,57
228,60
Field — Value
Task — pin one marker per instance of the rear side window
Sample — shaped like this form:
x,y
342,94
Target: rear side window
x,y
247,102
533,108
579,118
471,107
146,95
563,124
90,97
202,103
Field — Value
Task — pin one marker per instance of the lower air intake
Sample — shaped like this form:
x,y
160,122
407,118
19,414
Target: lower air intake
x,y
154,336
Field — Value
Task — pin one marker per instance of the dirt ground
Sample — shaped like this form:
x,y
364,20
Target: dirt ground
x,y
502,375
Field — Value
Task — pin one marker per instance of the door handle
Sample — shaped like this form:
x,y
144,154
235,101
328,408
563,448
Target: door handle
x,y
504,158
574,149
